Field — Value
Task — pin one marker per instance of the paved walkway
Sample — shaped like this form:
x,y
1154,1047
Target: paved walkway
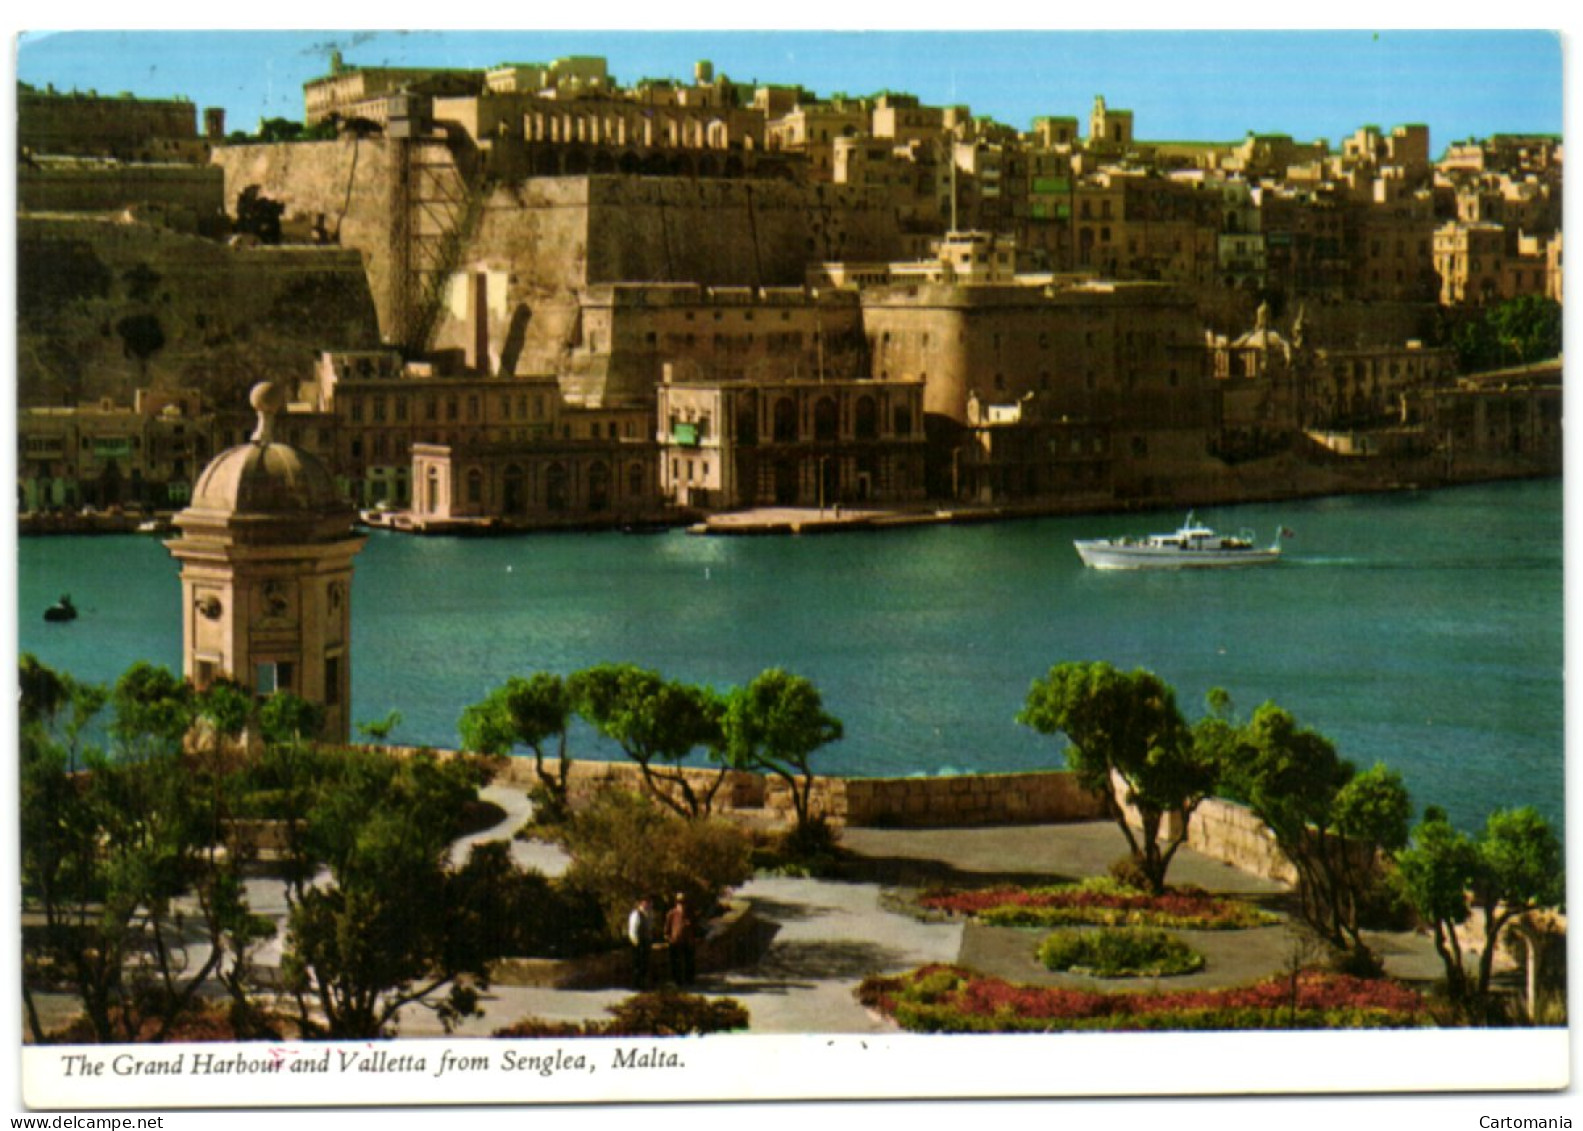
x,y
827,935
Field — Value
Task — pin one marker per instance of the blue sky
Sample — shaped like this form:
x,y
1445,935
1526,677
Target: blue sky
x,y
1181,85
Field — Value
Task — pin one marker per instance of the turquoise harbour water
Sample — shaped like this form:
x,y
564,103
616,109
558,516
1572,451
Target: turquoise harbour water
x,y
1424,630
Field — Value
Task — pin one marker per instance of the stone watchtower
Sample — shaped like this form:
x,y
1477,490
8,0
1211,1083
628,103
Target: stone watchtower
x,y
266,552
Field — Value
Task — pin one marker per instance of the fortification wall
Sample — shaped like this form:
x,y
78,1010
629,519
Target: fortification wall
x,y
1228,832
943,802
345,184
549,238
1221,830
83,187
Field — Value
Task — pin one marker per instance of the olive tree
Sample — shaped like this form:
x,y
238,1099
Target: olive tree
x,y
1512,868
392,925
1129,745
776,724
1332,822
532,712
658,723
126,855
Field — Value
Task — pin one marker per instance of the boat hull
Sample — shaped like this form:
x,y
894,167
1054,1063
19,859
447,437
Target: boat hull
x,y
1103,554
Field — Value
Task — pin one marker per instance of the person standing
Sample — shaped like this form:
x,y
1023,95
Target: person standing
x,y
680,938
640,934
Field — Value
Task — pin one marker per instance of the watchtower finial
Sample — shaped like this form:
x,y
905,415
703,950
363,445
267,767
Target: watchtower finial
x,y
267,399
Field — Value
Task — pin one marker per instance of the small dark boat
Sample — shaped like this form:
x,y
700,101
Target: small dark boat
x,y
62,609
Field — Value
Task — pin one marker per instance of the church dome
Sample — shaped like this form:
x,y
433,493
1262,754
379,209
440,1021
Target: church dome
x,y
264,478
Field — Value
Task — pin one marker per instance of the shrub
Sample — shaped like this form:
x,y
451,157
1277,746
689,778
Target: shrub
x,y
544,918
661,1014
624,847
950,999
812,849
1119,953
1099,902
1128,873
538,1027
1357,962
670,1014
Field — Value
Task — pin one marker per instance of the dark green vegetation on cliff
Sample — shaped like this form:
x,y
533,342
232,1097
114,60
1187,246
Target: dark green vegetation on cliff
x,y
104,308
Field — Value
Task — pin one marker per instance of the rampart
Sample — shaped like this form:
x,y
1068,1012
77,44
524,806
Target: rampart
x,y
1220,830
553,236
86,186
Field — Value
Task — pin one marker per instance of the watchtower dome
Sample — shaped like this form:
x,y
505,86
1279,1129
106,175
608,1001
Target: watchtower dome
x,y
266,553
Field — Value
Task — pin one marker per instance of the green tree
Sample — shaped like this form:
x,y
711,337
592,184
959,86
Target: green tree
x,y
122,861
259,216
153,709
1437,871
396,925
1528,329
776,724
531,712
279,129
286,716
1513,868
1520,331
1330,821
658,724
1130,746
1519,870
380,730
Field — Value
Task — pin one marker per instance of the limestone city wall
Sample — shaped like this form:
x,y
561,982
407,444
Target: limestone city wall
x,y
1220,830
86,187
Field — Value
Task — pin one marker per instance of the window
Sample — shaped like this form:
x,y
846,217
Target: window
x,y
332,681
272,676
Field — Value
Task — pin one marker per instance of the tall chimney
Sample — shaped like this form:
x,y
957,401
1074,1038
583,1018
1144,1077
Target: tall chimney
x,y
478,323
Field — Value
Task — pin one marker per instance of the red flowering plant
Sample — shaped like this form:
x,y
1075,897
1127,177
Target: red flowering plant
x,y
1099,903
952,999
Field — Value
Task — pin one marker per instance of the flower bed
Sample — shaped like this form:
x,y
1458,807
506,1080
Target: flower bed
x,y
1127,952
951,999
1102,903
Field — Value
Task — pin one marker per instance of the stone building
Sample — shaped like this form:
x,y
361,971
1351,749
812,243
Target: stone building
x,y
363,92
379,408
811,129
1127,357
108,455
534,134
122,127
780,441
628,332
1508,420
1109,129
1272,386
266,551
594,473
1479,264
